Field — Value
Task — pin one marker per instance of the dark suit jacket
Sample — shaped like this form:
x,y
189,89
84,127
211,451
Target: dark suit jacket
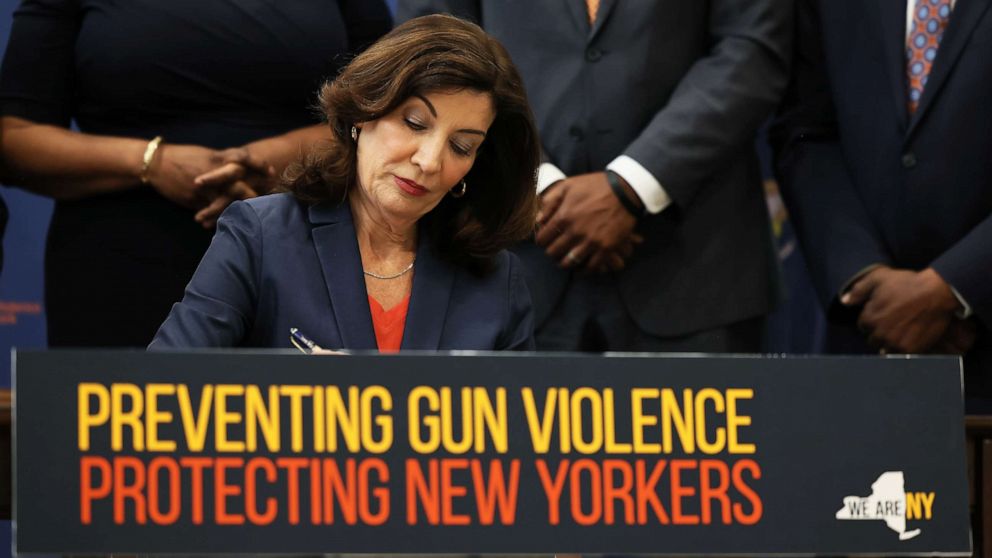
x,y
275,263
868,183
681,87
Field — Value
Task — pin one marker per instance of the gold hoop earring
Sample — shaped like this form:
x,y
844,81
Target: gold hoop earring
x,y
354,133
457,192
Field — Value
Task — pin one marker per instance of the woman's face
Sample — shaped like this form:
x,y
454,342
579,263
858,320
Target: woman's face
x,y
410,158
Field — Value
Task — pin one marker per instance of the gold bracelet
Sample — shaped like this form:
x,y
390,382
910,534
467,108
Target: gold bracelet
x,y
146,160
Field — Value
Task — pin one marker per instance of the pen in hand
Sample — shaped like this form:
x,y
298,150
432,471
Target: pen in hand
x,y
302,342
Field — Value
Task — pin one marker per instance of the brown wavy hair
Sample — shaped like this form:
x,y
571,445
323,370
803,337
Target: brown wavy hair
x,y
425,55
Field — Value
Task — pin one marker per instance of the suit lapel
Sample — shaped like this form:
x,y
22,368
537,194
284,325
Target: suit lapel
x,y
605,8
337,249
965,16
892,16
579,14
433,280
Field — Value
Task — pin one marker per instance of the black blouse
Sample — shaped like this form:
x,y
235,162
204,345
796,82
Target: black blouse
x,y
217,73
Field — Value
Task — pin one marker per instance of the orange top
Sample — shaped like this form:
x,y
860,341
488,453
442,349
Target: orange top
x,y
388,324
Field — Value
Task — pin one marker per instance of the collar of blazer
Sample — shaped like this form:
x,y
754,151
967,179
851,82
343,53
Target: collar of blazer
x,y
580,17
892,15
336,246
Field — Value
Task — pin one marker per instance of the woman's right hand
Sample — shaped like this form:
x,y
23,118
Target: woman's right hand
x,y
68,165
175,167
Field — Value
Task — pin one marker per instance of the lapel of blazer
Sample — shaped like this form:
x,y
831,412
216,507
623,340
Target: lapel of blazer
x,y
337,249
579,14
892,16
433,280
965,16
605,8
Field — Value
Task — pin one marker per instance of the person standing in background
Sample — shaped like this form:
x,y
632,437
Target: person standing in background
x,y
182,107
653,233
883,146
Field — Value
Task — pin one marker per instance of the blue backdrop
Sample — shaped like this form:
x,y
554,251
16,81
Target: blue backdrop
x,y
22,320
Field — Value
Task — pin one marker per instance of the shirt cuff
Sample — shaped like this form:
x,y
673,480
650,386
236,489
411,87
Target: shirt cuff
x,y
965,311
645,185
548,174
854,279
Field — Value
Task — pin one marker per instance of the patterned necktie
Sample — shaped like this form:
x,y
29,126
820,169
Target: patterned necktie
x,y
592,6
929,21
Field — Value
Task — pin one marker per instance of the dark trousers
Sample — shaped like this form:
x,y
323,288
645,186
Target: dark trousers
x,y
591,317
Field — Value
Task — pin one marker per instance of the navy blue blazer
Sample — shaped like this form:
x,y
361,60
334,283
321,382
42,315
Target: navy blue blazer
x,y
275,263
867,182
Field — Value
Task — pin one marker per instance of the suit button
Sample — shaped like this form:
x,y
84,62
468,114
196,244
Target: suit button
x,y
593,54
576,132
909,160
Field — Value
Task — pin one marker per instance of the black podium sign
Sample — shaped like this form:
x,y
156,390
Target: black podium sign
x,y
237,452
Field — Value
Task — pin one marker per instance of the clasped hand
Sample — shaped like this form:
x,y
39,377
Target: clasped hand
x,y
209,180
582,225
908,311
